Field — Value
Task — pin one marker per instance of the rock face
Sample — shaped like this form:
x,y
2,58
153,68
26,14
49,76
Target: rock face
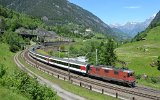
x,y
54,12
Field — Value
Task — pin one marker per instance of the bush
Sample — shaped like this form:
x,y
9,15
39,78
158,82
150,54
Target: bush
x,y
154,79
138,76
14,48
2,70
21,82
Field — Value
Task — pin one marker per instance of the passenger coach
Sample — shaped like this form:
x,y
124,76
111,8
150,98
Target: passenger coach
x,y
104,72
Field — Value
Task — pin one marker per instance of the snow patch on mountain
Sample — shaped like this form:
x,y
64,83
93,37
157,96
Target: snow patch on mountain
x,y
132,28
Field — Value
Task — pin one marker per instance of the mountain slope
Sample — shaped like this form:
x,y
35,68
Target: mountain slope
x,y
120,34
141,55
156,21
132,28
55,12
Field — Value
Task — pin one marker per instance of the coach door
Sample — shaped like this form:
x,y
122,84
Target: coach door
x,y
87,68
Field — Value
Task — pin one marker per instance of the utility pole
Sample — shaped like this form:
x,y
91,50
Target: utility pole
x,y
59,51
96,57
59,45
68,66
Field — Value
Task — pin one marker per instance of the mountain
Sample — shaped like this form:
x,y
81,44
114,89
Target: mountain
x,y
132,28
154,25
121,35
156,21
58,12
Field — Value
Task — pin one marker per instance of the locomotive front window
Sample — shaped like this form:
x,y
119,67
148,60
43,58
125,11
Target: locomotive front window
x,y
107,71
130,74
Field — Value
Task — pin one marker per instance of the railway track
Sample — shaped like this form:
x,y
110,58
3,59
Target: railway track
x,y
148,89
65,95
137,92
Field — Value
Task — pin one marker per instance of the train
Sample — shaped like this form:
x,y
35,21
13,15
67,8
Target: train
x,y
108,73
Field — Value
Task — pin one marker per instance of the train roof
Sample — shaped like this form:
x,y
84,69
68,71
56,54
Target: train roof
x,y
69,60
82,63
113,68
128,71
61,59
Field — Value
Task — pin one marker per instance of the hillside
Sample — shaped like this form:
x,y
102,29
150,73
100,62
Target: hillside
x,y
156,21
55,12
121,35
142,55
6,60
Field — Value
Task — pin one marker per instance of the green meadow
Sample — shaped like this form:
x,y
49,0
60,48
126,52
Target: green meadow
x,y
139,56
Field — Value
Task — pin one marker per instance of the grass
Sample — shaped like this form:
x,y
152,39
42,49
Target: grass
x,y
42,52
6,94
6,58
70,87
139,55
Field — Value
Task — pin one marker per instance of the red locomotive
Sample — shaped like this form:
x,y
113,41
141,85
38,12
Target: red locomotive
x,y
105,72
113,74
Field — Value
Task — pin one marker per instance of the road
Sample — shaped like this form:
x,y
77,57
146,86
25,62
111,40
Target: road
x,y
65,95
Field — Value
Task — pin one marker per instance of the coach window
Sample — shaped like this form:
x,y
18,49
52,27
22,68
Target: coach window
x,y
52,60
75,66
130,74
116,72
58,62
106,71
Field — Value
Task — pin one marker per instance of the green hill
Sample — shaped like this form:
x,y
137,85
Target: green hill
x,y
141,55
55,12
156,21
61,12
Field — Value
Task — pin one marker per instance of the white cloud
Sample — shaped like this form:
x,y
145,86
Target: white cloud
x,y
132,7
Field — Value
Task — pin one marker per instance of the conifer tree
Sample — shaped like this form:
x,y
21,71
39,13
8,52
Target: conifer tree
x,y
107,55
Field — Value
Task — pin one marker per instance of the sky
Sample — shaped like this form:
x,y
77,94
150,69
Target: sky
x,y
120,11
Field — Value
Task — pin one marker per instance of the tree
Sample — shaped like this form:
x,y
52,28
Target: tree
x,y
3,12
62,48
158,63
14,48
101,55
13,40
106,53
91,52
2,24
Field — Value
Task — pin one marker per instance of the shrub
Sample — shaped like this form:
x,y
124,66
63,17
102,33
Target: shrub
x,y
154,79
138,76
14,48
21,82
2,70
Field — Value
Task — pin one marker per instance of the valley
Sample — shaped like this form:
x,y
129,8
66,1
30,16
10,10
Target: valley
x,y
120,55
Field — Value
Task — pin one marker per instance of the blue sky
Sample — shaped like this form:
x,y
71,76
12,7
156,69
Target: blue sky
x,y
120,11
